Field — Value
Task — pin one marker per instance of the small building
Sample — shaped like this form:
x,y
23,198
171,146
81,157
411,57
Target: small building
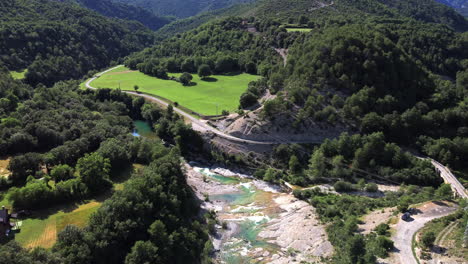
x,y
5,224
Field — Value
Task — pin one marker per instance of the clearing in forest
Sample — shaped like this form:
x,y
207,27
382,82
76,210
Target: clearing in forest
x,y
4,162
42,232
207,97
298,29
18,75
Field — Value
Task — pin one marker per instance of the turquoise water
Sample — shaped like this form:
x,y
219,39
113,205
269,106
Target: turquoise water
x,y
143,129
249,209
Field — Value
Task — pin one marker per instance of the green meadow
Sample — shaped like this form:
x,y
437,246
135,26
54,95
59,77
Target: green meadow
x,y
18,74
203,97
298,29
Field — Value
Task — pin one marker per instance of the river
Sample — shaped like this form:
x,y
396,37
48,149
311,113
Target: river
x,y
262,224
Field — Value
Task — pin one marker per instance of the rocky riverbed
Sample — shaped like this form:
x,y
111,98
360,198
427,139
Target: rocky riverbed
x,y
262,223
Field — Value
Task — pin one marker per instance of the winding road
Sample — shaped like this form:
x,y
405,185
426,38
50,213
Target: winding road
x,y
405,230
197,124
201,126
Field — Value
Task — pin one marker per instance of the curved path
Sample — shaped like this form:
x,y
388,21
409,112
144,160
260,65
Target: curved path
x,y
196,123
405,231
449,178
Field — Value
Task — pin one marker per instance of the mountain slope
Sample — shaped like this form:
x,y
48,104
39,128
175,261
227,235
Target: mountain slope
x,y
59,41
124,11
329,12
181,8
421,10
460,5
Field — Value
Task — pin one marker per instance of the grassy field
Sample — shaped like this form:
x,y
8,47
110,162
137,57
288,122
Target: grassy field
x,y
42,232
298,29
203,97
18,74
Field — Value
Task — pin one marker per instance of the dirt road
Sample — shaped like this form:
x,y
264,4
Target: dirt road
x,y
405,230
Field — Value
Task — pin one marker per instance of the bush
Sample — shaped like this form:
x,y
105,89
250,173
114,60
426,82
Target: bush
x,y
342,186
372,187
382,229
428,239
61,173
185,78
248,99
204,71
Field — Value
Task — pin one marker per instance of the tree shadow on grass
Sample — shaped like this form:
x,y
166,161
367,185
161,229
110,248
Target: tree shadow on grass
x,y
209,79
190,84
232,73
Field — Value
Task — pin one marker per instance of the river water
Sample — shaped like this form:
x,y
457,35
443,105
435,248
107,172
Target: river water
x,y
246,209
262,224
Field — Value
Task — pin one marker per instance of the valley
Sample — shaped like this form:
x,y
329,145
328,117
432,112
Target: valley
x,y
233,131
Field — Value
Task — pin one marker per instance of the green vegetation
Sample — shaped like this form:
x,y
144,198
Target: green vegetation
x,y
225,46
20,74
36,34
432,232
341,214
203,97
42,231
67,147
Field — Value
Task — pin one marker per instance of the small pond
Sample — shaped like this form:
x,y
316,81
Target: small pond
x,y
143,129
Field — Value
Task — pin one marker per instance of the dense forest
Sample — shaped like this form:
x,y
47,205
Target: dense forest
x,y
76,139
413,103
59,41
334,73
224,46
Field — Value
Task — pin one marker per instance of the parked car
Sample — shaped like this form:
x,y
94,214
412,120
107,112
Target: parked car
x,y
406,216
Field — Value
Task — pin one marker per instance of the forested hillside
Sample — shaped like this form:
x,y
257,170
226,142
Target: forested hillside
x,y
421,10
224,46
58,41
124,11
181,8
326,12
381,67
67,145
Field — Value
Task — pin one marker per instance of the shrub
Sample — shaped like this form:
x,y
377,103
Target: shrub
x,y
428,239
342,186
185,78
372,187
